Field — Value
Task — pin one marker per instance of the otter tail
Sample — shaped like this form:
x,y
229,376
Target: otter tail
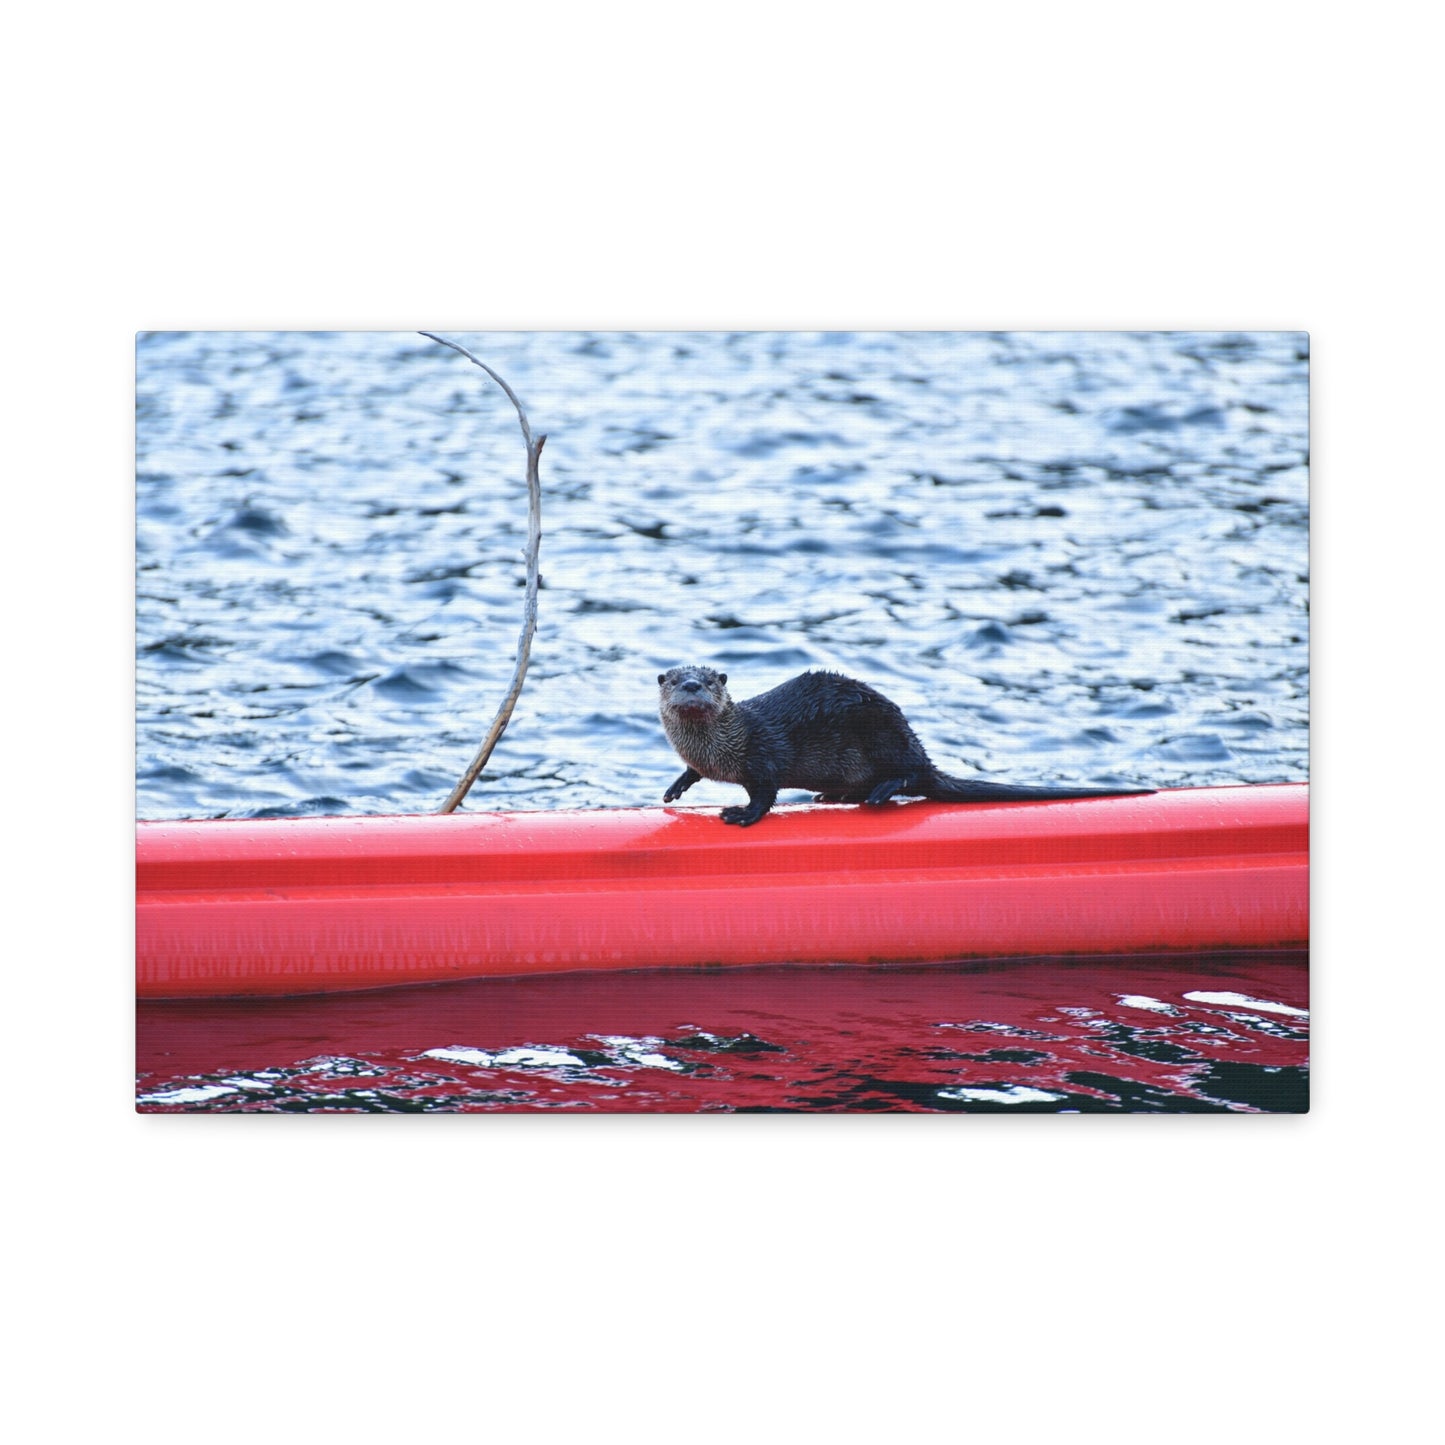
x,y
945,788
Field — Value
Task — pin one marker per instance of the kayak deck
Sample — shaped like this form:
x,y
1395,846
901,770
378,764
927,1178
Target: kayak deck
x,y
235,908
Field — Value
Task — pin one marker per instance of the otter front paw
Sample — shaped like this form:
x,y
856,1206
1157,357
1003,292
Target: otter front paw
x,y
680,785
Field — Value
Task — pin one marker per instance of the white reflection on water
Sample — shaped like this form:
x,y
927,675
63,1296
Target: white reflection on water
x,y
1139,1000
508,1058
1242,1000
197,1095
1013,1094
641,1052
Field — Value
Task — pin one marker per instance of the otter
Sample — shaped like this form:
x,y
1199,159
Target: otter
x,y
839,738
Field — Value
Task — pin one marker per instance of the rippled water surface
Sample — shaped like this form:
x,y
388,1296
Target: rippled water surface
x,y
1069,557
1208,1035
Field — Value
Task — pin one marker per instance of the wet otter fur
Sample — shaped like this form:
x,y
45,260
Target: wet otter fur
x,y
839,738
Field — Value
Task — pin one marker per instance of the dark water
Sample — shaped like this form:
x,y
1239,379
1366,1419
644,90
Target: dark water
x,y
1203,1035
1077,557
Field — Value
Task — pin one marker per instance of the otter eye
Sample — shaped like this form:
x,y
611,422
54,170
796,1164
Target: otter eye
x,y
661,678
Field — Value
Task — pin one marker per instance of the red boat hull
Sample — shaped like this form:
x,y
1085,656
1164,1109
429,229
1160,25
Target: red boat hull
x,y
293,906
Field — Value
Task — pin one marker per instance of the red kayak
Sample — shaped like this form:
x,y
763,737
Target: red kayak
x,y
236,908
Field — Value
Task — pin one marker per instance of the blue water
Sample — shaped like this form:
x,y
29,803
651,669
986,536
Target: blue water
x,y
1069,557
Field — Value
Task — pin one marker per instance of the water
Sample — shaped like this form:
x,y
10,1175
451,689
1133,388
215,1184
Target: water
x,y
1069,557
1205,1035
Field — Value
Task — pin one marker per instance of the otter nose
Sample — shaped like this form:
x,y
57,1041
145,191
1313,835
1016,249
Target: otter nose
x,y
689,684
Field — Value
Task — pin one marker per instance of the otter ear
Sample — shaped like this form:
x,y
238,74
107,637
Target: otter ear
x,y
722,677
661,678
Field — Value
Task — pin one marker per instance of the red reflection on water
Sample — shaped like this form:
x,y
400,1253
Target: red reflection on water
x,y
1020,1036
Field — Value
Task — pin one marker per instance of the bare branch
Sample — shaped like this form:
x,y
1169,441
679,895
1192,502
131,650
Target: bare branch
x,y
529,611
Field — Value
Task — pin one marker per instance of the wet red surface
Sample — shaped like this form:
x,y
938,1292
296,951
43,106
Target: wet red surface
x,y
1195,1033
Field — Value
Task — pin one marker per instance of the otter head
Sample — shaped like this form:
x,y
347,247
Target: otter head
x,y
695,694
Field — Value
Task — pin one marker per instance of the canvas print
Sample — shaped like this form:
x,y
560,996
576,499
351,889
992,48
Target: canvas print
x,y
742,722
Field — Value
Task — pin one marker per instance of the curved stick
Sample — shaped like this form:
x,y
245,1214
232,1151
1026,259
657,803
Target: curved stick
x,y
529,613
